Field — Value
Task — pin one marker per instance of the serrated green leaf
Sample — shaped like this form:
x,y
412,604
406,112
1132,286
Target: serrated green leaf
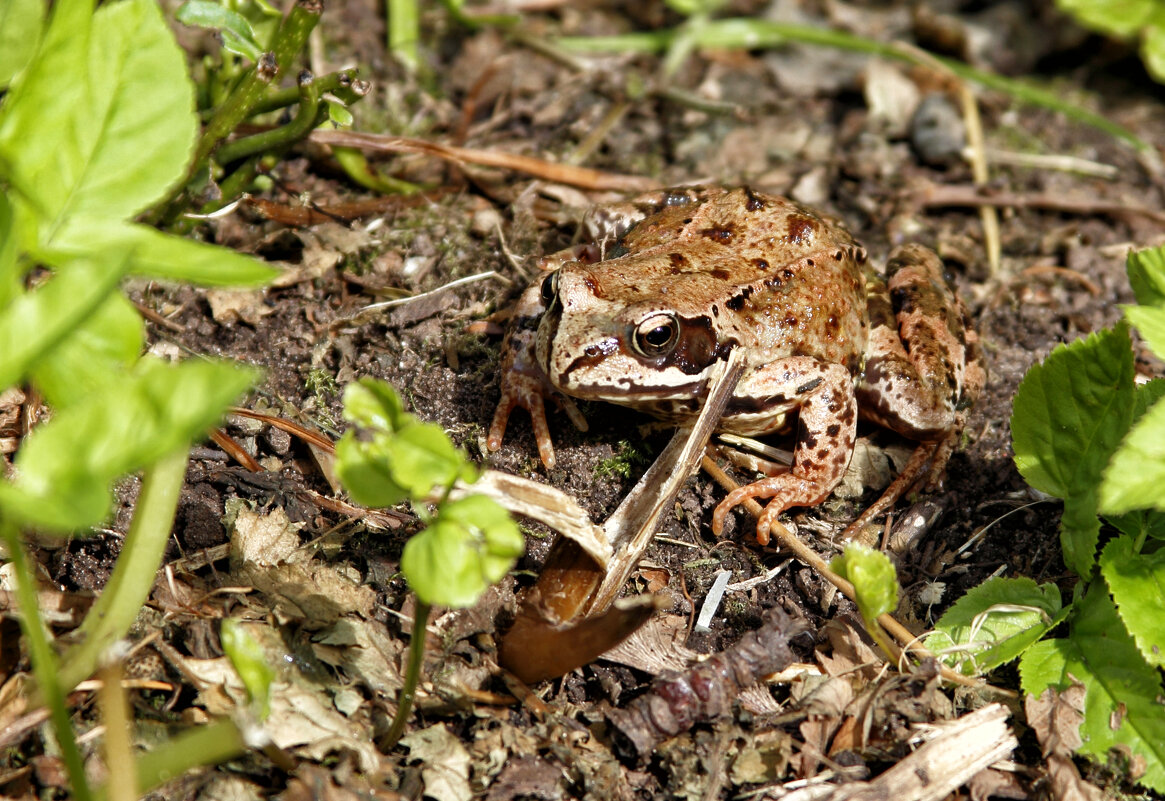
x,y
1137,583
1150,323
39,320
21,24
1122,692
93,355
66,466
374,405
472,544
153,254
99,125
874,578
1146,269
364,472
1134,477
1068,417
249,662
237,35
995,622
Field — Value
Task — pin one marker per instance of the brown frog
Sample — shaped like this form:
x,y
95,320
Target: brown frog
x,y
676,280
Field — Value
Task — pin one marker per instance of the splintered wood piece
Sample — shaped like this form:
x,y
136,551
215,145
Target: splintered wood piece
x,y
952,756
573,583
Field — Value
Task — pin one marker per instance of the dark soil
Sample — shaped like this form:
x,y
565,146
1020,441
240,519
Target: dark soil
x,y
796,121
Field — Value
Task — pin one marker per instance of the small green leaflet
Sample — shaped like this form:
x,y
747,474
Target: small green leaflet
x,y
1122,705
237,35
874,579
249,662
472,544
994,623
1068,417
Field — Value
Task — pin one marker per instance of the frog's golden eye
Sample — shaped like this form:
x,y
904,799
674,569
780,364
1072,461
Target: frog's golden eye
x,y
550,287
657,335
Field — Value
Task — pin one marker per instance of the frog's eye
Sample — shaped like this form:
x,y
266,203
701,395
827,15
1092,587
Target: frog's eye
x,y
550,287
657,335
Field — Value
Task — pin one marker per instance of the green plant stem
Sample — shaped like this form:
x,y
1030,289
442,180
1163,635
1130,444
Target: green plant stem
x,y
115,715
133,576
343,84
408,690
44,662
237,107
305,119
294,30
404,32
751,33
206,745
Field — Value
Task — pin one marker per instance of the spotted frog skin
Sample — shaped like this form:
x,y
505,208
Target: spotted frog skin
x,y
676,280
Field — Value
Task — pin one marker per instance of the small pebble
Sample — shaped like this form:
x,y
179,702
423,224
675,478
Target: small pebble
x,y
937,132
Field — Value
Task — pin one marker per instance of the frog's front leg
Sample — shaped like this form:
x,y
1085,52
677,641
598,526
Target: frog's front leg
x,y
827,423
524,382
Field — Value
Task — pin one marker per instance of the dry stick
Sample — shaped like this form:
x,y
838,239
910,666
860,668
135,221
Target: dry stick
x,y
976,149
939,195
583,177
807,555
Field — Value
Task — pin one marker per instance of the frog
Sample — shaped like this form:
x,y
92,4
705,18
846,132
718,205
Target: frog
x,y
666,285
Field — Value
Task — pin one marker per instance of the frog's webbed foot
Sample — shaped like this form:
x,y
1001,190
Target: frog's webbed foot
x,y
529,392
786,491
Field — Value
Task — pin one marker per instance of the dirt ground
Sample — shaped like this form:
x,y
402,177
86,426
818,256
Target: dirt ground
x,y
827,128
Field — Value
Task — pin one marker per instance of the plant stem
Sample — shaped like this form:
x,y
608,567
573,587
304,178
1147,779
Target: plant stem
x,y
119,758
408,691
294,30
44,662
305,120
206,745
343,83
404,32
133,575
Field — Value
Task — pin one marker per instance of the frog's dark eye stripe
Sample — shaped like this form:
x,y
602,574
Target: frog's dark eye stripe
x,y
657,335
550,287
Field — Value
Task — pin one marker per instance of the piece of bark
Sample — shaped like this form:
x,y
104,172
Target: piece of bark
x,y
679,700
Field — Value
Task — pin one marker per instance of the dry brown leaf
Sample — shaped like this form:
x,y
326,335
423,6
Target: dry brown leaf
x,y
444,763
265,539
234,305
1055,717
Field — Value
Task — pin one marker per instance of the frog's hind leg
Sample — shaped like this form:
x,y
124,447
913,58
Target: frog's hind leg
x,y
827,423
926,465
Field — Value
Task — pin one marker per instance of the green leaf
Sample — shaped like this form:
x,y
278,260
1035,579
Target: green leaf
x,y
21,23
1119,18
472,544
93,355
39,320
250,663
1146,269
1137,583
365,473
874,579
421,457
1150,322
1068,417
374,405
1122,705
66,466
237,35
154,254
995,622
102,122
1153,51
1134,477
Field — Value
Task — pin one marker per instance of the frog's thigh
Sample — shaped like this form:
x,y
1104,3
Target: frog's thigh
x,y
826,423
917,351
